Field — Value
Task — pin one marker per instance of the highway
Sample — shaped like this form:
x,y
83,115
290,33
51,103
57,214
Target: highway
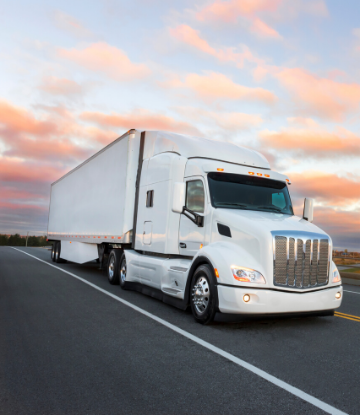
x,y
70,343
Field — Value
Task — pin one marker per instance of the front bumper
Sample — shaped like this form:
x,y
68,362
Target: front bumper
x,y
263,301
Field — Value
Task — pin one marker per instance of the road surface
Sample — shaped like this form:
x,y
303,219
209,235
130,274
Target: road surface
x,y
73,344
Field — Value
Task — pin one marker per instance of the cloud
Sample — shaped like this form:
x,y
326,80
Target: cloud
x,y
312,140
71,25
323,97
215,86
61,86
228,121
191,37
13,118
230,11
261,29
140,119
106,59
327,189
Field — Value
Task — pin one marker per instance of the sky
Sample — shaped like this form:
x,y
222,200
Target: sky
x,y
278,76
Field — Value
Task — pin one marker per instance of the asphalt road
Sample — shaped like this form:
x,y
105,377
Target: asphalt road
x,y
68,348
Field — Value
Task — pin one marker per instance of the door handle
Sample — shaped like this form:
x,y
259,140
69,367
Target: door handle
x,y
182,245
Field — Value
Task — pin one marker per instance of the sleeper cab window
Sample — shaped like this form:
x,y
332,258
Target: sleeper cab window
x,y
150,198
195,196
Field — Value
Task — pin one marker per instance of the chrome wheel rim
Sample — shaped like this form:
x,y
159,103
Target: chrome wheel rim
x,y
123,272
201,295
112,267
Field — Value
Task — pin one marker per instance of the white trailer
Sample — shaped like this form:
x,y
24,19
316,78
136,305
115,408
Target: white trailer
x,y
194,222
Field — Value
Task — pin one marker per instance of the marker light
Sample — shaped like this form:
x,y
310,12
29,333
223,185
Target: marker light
x,y
336,276
216,273
287,180
259,174
246,298
338,295
267,175
201,245
251,173
220,169
243,274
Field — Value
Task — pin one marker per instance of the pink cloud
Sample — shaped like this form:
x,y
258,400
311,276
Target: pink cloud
x,y
226,121
140,119
106,59
330,189
214,86
229,11
312,140
71,25
323,97
191,37
61,86
261,29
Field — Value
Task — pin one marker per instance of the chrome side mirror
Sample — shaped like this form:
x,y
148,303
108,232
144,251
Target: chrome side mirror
x,y
179,192
308,213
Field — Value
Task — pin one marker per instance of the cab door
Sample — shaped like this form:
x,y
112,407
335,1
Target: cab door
x,y
191,234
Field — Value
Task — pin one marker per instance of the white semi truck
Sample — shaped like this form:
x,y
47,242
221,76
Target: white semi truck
x,y
194,222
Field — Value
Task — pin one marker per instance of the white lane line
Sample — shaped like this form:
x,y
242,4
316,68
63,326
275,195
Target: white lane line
x,y
354,292
272,379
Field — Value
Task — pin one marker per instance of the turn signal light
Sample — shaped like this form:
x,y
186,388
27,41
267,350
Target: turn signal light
x,y
216,273
201,245
287,180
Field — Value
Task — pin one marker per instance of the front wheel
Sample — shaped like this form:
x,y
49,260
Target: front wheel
x,y
203,295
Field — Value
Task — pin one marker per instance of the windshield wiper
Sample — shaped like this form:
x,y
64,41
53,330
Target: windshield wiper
x,y
270,208
234,204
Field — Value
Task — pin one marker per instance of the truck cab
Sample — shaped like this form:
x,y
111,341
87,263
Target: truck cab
x,y
219,208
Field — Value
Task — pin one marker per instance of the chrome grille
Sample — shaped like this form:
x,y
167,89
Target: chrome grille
x,y
301,260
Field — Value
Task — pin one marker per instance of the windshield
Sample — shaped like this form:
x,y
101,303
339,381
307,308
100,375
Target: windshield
x,y
235,191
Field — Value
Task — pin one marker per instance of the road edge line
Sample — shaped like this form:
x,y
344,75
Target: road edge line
x,y
261,373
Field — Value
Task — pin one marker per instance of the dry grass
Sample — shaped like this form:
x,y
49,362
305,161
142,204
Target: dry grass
x,y
345,261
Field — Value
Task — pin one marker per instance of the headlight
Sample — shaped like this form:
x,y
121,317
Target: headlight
x,y
243,274
336,276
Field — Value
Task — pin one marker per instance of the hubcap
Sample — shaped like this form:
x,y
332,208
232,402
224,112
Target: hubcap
x,y
201,295
111,267
123,272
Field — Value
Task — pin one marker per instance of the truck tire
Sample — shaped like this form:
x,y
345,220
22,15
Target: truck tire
x,y
203,295
113,267
122,272
53,252
57,252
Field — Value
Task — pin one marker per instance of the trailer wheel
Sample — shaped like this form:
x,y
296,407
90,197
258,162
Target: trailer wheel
x,y
53,251
203,295
122,272
113,266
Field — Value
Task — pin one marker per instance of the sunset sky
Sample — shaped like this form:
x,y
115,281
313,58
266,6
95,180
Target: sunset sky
x,y
281,77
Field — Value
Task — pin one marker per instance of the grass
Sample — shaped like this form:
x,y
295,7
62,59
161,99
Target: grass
x,y
353,270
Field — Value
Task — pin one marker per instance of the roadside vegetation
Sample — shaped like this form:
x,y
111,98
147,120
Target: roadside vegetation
x,y
18,240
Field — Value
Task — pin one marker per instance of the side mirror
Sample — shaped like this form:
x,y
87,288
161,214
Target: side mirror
x,y
308,213
178,197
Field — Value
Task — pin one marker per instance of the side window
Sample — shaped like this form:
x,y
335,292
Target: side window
x,y
195,196
150,198
278,200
